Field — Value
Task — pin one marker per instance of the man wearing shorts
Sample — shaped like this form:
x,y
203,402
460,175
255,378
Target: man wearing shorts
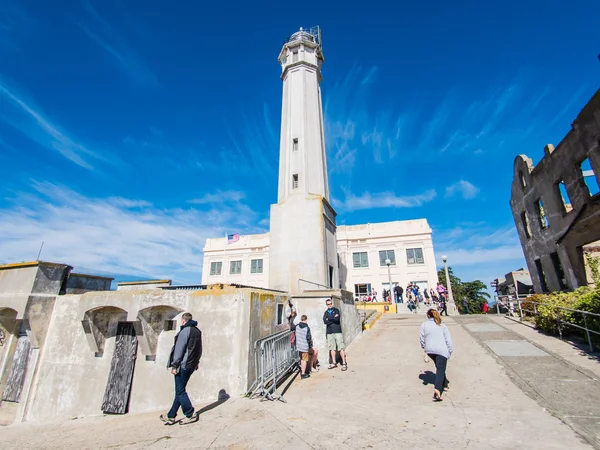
x,y
332,320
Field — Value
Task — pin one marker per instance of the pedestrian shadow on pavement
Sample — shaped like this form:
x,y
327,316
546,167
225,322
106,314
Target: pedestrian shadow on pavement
x,y
290,379
427,377
223,396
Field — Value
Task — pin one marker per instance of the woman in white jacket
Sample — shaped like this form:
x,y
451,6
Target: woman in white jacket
x,y
437,343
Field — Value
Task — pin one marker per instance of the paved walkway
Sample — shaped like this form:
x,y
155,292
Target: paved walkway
x,y
383,401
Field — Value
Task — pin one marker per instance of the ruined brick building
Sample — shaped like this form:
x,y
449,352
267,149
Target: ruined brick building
x,y
556,205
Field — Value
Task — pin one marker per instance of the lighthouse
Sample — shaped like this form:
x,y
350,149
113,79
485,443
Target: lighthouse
x,y
303,248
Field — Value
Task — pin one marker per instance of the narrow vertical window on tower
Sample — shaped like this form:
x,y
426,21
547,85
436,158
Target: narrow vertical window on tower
x,y
295,145
295,56
295,181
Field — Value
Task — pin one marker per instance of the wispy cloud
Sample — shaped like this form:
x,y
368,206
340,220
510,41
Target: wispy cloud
x,y
463,188
22,115
367,200
370,76
219,197
477,244
118,47
253,148
115,234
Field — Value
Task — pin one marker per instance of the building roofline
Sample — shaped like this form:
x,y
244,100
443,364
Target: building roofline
x,y
87,275
134,283
30,264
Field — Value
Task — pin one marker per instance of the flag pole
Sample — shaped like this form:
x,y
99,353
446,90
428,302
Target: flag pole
x,y
224,258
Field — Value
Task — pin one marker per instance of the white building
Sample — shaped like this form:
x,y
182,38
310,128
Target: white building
x,y
305,250
362,251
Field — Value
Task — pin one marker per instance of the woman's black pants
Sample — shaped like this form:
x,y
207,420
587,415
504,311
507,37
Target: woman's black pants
x,y
441,381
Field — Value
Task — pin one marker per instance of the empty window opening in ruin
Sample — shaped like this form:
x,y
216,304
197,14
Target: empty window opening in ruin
x,y
525,222
542,214
563,194
589,177
558,270
541,276
295,181
295,145
522,179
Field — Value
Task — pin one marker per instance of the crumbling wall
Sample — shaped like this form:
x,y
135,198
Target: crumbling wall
x,y
548,236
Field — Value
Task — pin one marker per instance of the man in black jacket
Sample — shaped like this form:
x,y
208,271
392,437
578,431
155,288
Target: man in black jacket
x,y
335,341
183,362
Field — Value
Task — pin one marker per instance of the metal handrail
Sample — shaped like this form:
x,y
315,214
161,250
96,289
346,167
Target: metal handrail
x,y
520,299
312,282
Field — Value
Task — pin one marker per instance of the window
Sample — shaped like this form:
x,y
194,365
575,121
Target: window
x,y
387,254
522,179
170,325
563,194
414,256
589,177
361,290
235,267
560,273
525,222
295,145
215,268
256,266
360,259
541,276
539,208
295,181
279,314
295,56
330,277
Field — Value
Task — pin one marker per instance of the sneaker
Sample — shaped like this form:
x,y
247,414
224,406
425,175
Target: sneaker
x,y
187,420
168,420
304,376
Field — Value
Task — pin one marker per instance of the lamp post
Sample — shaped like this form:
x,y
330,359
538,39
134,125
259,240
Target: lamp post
x,y
450,296
388,262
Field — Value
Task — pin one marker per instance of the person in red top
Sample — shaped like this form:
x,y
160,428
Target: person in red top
x,y
485,307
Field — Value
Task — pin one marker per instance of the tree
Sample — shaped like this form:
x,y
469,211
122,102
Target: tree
x,y
473,291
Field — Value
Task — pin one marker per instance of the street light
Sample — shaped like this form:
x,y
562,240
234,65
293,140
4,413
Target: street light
x,y
450,296
388,262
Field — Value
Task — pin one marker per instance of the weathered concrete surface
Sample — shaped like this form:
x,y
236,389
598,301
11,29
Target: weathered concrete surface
x,y
74,367
565,387
380,402
572,222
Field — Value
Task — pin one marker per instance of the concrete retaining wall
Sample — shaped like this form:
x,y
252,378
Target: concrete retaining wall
x,y
75,362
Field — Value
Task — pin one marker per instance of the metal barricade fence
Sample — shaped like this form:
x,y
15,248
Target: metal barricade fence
x,y
274,358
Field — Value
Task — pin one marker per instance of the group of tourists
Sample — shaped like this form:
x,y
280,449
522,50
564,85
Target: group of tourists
x,y
302,339
185,355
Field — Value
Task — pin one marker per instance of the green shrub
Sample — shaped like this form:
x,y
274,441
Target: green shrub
x,y
550,315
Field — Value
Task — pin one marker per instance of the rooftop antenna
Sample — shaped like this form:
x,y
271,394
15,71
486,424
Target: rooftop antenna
x,y
40,252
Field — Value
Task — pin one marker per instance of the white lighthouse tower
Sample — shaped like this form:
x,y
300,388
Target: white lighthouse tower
x,y
303,247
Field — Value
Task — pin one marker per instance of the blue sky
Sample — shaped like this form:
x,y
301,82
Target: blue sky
x,y
130,134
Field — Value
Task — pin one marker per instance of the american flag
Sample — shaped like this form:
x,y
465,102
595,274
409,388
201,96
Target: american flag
x,y
231,238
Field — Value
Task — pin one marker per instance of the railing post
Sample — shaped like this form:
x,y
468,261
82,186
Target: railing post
x,y
520,308
558,323
588,333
